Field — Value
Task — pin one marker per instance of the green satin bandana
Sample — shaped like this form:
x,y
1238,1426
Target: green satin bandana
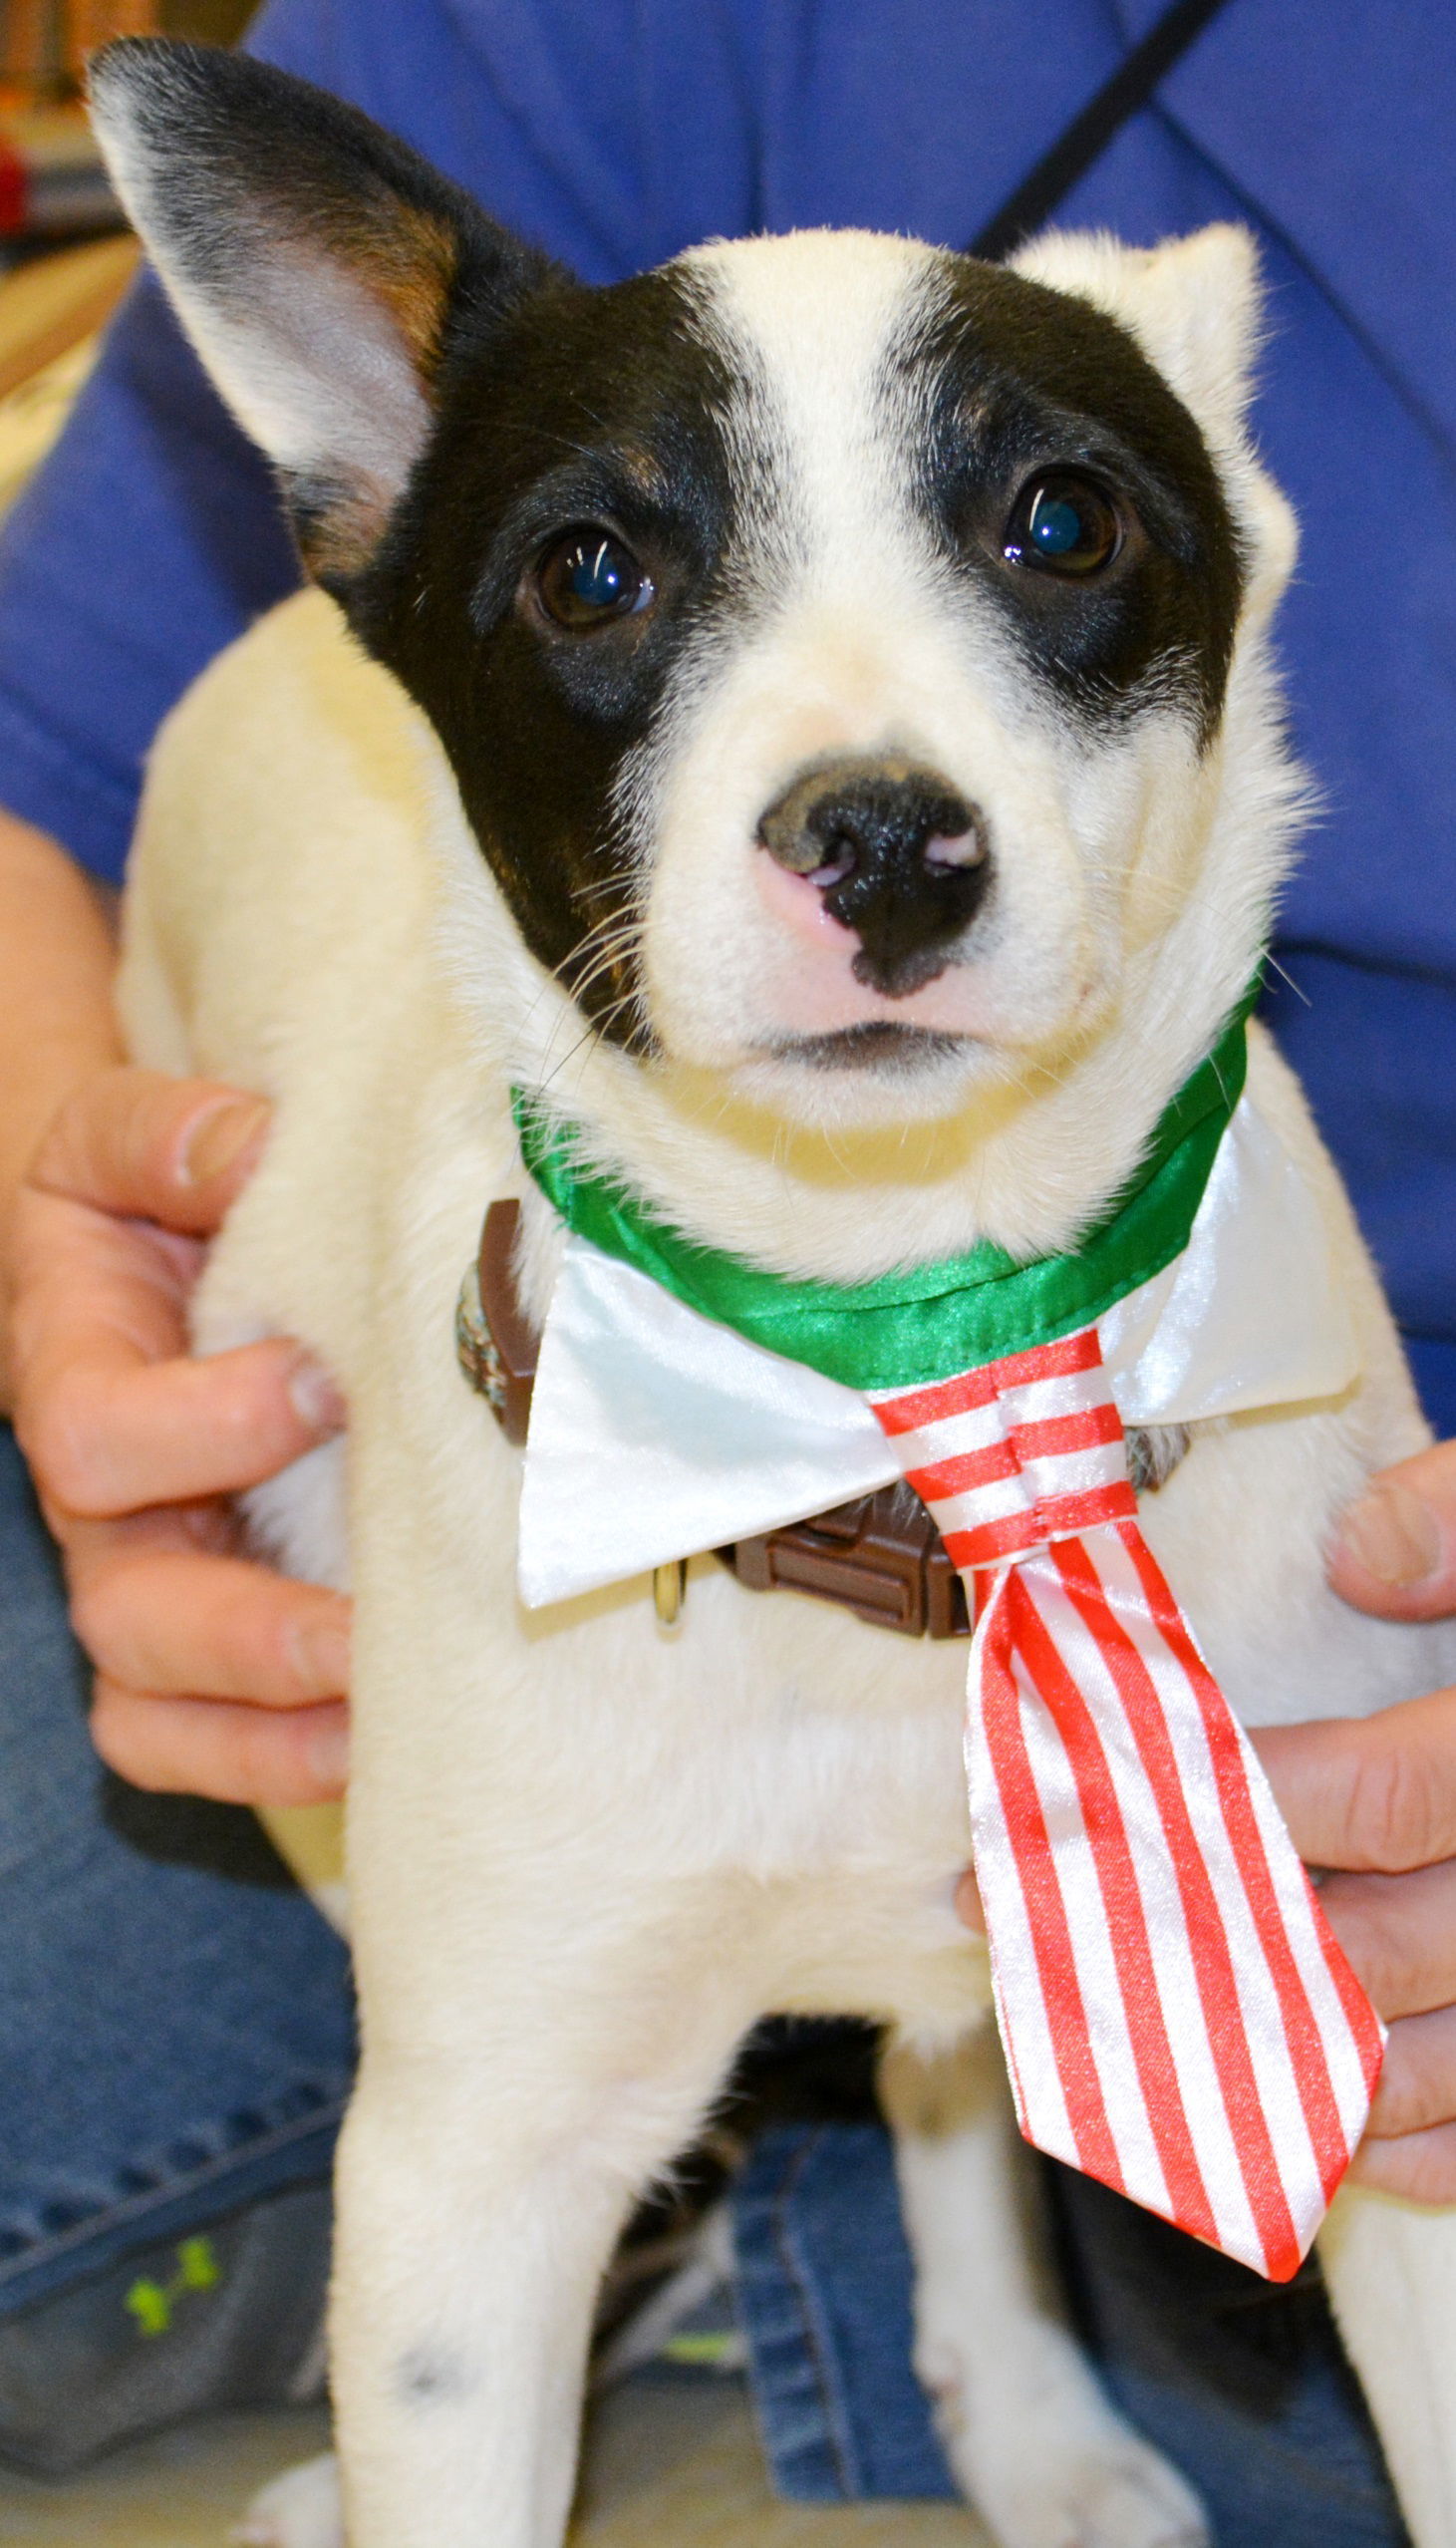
x,y
928,1321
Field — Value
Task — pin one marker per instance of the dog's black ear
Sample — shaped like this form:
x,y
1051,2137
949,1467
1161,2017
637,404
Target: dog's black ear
x,y
321,269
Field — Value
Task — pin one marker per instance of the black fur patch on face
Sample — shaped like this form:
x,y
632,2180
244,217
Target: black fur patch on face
x,y
1010,381
601,408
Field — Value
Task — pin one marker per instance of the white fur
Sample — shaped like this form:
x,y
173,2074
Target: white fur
x,y
299,2510
586,1854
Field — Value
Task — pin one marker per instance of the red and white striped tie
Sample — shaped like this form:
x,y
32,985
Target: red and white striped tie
x,y
1178,2018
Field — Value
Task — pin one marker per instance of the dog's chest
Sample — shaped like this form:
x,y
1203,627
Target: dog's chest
x,y
799,1768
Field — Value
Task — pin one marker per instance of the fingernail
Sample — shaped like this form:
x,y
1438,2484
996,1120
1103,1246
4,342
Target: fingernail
x,y
328,1754
322,1658
219,1137
1394,1535
316,1398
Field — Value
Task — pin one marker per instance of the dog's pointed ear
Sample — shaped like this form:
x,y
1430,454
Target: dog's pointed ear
x,y
1194,305
318,266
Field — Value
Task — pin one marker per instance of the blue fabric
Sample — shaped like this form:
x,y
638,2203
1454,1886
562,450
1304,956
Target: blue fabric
x,y
823,2284
618,134
1244,2386
175,2023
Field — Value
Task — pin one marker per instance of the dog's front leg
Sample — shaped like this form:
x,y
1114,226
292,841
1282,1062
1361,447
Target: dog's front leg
x,y
467,2269
1030,2437
543,2031
1391,2272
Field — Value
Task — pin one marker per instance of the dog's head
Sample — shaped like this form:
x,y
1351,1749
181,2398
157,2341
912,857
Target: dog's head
x,y
835,640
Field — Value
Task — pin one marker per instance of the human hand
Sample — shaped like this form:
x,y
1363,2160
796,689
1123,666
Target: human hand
x,y
1374,1800
214,1676
1385,1793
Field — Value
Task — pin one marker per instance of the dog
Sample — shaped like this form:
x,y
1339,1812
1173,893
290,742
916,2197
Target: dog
x,y
807,713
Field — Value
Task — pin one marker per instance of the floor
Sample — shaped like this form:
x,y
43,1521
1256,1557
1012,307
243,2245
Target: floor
x,y
670,2465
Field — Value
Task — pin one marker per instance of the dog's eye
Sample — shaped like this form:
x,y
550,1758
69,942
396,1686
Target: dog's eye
x,y
588,578
1064,525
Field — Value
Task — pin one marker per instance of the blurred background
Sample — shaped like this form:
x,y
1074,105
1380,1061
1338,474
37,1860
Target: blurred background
x,y
43,42
65,256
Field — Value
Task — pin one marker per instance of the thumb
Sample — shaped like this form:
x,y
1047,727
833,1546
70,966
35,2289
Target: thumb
x,y
1395,1548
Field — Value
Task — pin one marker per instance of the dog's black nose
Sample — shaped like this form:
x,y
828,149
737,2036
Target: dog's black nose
x,y
897,854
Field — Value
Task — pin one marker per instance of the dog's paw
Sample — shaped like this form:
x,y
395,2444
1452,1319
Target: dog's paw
x,y
1049,2463
1114,2493
299,2510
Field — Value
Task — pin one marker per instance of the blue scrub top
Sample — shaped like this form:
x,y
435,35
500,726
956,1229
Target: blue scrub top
x,y
618,132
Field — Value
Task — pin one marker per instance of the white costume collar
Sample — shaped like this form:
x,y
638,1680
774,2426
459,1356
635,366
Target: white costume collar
x,y
656,1432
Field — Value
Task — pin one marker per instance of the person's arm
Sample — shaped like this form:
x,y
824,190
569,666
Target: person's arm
x,y
57,955
213,1675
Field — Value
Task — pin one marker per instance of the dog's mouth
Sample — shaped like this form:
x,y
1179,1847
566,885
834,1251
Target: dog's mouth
x,y
881,1045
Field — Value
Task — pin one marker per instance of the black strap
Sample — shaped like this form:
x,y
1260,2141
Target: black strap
x,y
1088,134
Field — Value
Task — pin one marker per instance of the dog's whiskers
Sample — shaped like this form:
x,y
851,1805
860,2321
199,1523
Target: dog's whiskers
x,y
605,951
592,1034
1284,975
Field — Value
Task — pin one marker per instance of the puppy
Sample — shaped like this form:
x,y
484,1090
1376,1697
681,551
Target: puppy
x,y
803,715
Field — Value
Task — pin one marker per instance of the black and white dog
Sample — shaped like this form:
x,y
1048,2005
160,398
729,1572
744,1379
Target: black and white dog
x,y
808,711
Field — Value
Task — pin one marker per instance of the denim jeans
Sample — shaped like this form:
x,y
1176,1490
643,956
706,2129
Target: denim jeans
x,y
177,2033
176,2043
1245,2386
